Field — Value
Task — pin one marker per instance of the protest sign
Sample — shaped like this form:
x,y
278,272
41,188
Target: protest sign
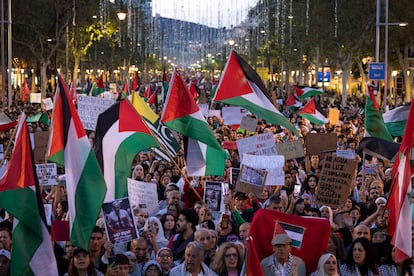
x,y
251,180
333,116
262,144
336,177
48,213
232,115
143,193
35,97
41,139
349,154
214,112
213,196
119,225
290,149
248,123
89,109
316,143
234,176
273,164
229,145
48,104
47,173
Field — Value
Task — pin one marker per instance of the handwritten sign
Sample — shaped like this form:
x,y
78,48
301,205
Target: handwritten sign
x,y
272,164
333,116
337,175
320,142
47,173
262,144
248,123
143,193
290,150
232,115
89,109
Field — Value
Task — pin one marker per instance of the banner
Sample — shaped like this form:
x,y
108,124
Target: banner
x,y
89,109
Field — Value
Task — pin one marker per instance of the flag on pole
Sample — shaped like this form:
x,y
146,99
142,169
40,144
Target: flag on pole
x,y
396,119
135,82
241,86
26,91
182,114
293,103
399,201
306,92
374,123
32,252
310,113
70,147
98,87
251,265
120,135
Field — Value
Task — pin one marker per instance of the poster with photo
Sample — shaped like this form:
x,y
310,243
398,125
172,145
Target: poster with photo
x,y
119,225
234,176
251,180
213,195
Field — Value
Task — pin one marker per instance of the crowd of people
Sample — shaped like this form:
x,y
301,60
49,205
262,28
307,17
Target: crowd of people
x,y
187,238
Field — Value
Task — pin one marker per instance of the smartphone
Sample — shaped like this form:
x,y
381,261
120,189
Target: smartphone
x,y
224,221
296,190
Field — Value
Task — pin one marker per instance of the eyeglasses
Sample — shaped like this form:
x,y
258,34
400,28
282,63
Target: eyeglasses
x,y
234,255
164,256
132,260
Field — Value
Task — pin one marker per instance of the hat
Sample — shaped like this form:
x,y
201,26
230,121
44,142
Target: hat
x,y
5,253
240,195
281,239
164,249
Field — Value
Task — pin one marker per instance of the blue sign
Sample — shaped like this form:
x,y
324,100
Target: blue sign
x,y
376,71
326,77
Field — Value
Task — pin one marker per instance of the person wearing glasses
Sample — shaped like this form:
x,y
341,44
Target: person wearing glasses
x,y
228,259
165,259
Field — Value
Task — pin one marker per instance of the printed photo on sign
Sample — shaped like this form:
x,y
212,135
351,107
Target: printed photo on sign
x,y
119,224
212,195
251,180
234,176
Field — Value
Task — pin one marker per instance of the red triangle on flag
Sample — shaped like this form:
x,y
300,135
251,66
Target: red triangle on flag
x,y
234,82
298,90
101,82
135,83
291,100
193,90
309,108
372,96
126,87
126,123
278,229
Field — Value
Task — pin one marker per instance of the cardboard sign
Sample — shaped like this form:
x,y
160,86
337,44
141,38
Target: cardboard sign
x,y
89,109
143,193
48,103
251,180
47,173
248,123
337,175
333,116
291,149
316,143
262,144
232,115
35,97
272,164
119,224
213,196
41,139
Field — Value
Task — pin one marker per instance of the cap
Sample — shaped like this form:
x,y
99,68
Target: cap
x,y
281,239
5,253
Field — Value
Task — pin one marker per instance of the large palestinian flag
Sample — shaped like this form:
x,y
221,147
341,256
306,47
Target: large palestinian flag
x,y
241,86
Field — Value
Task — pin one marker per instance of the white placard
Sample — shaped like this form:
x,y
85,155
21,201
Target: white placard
x,y
232,115
35,97
262,144
49,171
48,103
348,154
214,112
273,164
140,193
89,109
248,123
48,213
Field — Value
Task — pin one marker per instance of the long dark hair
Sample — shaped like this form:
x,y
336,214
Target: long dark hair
x,y
73,271
371,259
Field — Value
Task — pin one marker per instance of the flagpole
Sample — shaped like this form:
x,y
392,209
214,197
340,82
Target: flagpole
x,y
169,155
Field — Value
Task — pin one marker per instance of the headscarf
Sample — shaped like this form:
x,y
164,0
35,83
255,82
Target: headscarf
x,y
161,240
321,263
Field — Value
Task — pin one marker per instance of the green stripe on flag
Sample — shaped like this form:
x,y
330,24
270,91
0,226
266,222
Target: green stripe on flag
x,y
294,232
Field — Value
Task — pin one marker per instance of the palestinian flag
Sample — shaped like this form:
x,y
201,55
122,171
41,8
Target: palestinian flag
x,y
310,113
379,148
293,103
32,252
241,86
98,87
400,199
5,122
302,231
120,135
194,90
165,136
251,265
26,91
70,147
135,82
396,119
374,123
306,92
183,115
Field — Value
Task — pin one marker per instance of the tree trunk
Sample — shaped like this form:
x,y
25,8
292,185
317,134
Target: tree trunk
x,y
43,78
75,70
404,64
346,68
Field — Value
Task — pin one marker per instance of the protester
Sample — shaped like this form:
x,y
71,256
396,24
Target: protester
x,y
81,264
228,260
327,266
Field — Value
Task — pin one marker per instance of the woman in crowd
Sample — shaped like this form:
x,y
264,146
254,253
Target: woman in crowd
x,y
309,188
165,260
326,212
156,233
61,210
228,260
168,222
81,265
336,247
6,238
151,268
327,266
361,260
138,173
